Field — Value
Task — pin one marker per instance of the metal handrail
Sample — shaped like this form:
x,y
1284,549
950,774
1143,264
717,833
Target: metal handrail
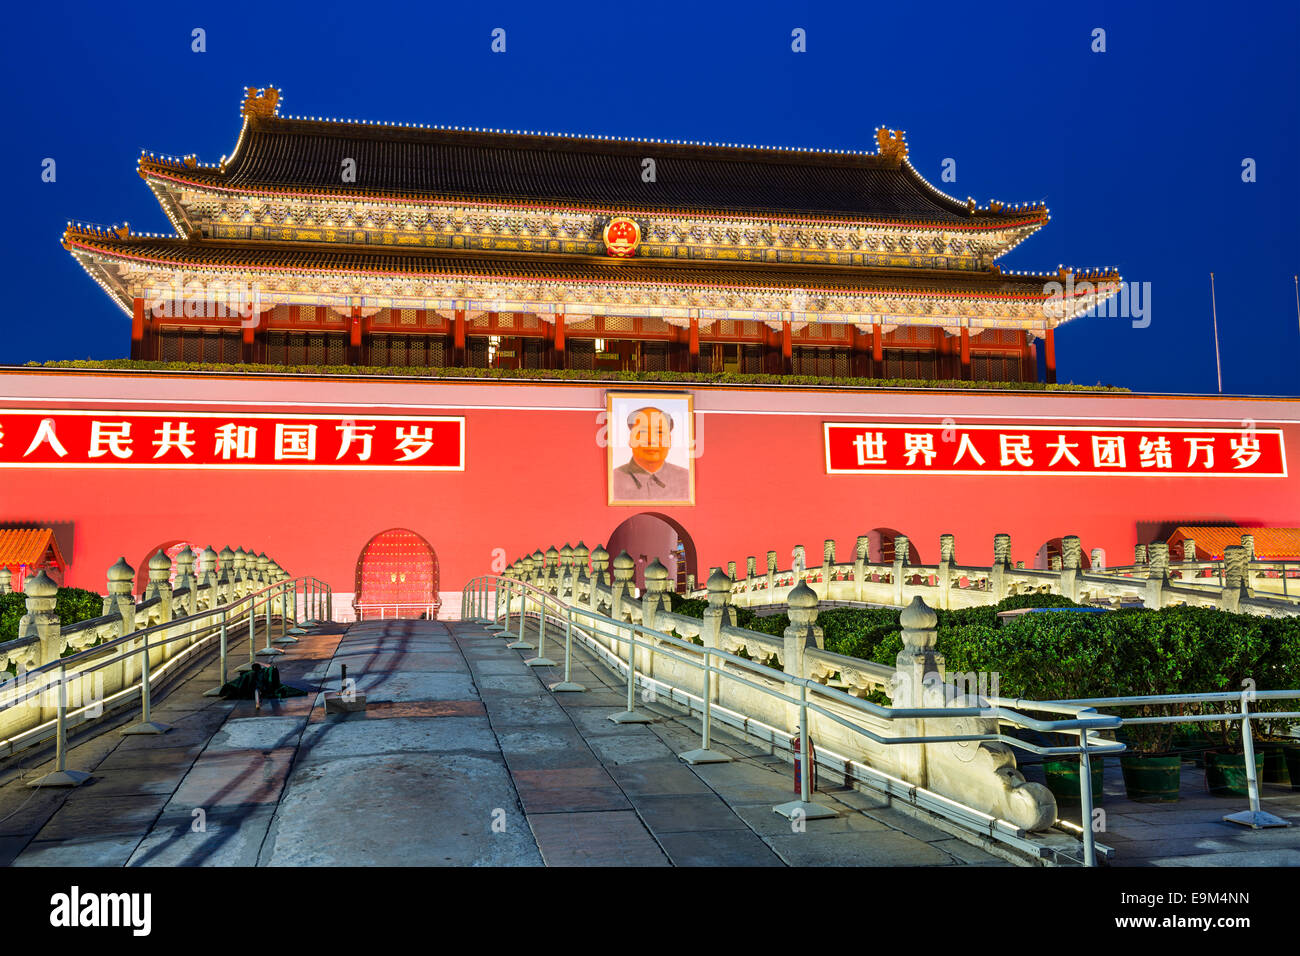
x,y
197,629
1083,723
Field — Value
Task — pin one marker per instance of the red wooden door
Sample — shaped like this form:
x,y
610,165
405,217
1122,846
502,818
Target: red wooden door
x,y
397,576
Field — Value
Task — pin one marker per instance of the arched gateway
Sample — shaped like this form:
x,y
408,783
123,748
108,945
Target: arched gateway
x,y
650,535
397,576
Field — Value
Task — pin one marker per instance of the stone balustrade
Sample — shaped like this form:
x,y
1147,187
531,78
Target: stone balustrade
x,y
202,582
1263,587
982,775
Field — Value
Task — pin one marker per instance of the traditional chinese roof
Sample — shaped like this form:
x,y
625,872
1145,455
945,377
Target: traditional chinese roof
x,y
1271,544
235,258
283,155
29,546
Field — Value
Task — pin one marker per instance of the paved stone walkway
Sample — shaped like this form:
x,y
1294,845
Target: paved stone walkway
x,y
463,757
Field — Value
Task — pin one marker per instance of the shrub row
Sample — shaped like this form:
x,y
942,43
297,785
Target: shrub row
x,y
723,378
1127,653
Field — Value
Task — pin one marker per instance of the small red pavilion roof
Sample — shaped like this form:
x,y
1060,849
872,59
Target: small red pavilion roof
x,y
29,546
1271,544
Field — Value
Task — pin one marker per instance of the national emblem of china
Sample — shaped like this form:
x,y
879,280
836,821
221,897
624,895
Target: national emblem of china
x,y
622,236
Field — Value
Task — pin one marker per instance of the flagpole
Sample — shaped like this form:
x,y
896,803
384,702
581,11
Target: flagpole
x,y
1214,310
1296,280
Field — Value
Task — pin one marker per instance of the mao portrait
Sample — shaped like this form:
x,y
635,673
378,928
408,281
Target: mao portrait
x,y
650,446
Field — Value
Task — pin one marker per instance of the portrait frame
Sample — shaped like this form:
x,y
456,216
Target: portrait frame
x,y
622,475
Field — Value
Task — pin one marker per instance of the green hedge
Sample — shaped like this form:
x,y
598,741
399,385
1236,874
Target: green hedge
x,y
1124,653
72,605
708,378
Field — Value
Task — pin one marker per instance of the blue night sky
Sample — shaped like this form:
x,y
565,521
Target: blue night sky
x,y
1137,151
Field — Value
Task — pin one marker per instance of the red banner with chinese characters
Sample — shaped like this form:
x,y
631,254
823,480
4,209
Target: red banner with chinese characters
x,y
183,439
859,449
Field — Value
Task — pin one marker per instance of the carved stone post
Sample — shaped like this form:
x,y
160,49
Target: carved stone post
x,y
860,549
1157,575
566,570
655,598
901,549
599,572
225,575
600,566
6,580
208,576
239,573
828,562
731,570
771,575
624,572
947,554
1189,550
801,634
581,572
119,601
917,682
690,582
539,569
160,568
799,563
751,570
185,580
716,616
1071,562
263,570
998,583
41,623
1139,555
1234,577
1097,558
551,580
1248,542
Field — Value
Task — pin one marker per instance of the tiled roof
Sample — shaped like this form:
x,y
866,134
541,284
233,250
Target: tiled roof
x,y
675,272
28,546
281,153
1273,544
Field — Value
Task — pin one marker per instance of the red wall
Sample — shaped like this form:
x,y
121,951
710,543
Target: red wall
x,y
535,476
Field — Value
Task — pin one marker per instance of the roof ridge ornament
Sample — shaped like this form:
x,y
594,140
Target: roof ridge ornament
x,y
265,102
891,145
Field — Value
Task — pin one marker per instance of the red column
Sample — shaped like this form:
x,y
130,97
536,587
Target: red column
x,y
858,367
787,348
354,336
693,345
250,329
877,352
1051,357
1027,371
965,354
458,339
137,328
561,353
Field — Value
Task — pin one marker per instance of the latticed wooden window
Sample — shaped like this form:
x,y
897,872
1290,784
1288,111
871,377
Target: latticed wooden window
x,y
752,359
170,346
408,316
397,350
528,320
315,350
582,354
618,323
212,347
378,351
656,356
437,359
840,368
336,352
532,353
477,347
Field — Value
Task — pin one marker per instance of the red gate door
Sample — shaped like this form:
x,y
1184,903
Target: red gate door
x,y
397,576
